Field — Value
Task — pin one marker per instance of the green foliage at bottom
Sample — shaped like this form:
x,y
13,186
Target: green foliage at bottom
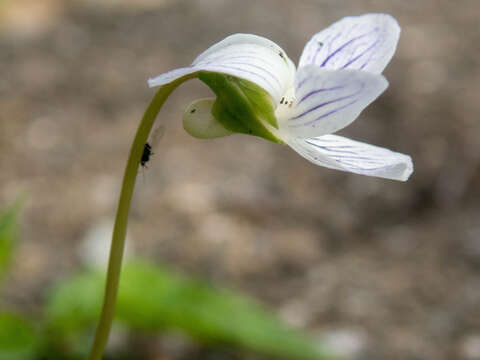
x,y
153,299
17,338
8,233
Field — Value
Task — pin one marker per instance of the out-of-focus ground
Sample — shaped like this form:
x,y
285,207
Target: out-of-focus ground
x,y
389,270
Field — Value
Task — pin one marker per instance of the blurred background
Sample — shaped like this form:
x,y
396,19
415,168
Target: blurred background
x,y
374,268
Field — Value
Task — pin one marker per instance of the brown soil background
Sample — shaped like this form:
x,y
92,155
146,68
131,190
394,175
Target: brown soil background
x,y
393,268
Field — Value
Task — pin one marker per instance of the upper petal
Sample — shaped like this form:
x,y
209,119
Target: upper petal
x,y
340,153
249,57
365,42
326,101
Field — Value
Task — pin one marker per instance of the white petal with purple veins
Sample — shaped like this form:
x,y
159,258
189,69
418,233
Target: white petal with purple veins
x,y
249,57
340,153
327,101
365,42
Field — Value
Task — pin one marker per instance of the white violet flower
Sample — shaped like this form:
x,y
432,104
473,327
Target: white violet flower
x,y
260,92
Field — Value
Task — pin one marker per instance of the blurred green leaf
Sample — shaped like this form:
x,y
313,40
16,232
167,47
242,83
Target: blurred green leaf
x,y
75,305
155,299
17,338
8,233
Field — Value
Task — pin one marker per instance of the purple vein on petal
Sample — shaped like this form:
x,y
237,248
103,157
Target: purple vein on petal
x,y
223,57
259,68
326,148
346,44
367,61
229,57
353,158
326,40
348,157
301,83
227,60
329,140
326,114
360,55
328,103
319,91
334,148
241,70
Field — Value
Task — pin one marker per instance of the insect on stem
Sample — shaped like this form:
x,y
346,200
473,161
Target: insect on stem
x,y
148,148
147,152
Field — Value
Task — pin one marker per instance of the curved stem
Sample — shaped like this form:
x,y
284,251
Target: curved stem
x,y
120,227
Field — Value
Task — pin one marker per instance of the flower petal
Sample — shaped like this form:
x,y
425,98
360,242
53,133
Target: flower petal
x,y
327,101
365,42
249,57
336,152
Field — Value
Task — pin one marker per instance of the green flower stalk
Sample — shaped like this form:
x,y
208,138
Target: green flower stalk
x,y
120,228
260,92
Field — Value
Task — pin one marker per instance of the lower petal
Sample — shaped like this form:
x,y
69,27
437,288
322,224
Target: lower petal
x,y
336,152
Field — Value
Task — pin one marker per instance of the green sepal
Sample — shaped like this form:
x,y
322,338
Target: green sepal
x,y
260,101
241,106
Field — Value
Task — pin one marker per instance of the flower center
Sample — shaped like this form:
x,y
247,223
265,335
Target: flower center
x,y
285,106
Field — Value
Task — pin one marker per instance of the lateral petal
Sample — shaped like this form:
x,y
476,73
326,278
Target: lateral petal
x,y
327,101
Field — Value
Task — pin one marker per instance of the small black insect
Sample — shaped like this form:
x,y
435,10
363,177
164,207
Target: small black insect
x,y
147,152
150,145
